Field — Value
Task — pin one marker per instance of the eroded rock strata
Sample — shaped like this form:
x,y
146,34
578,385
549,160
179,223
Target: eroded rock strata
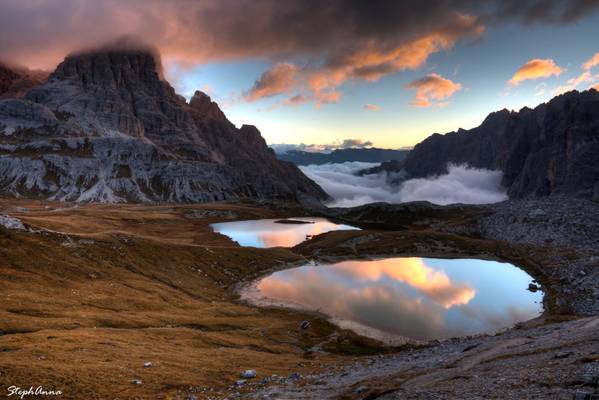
x,y
106,127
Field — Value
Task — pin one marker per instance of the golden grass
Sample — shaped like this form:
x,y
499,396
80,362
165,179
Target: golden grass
x,y
132,284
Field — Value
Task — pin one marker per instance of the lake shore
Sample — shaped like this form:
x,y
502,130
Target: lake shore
x,y
108,288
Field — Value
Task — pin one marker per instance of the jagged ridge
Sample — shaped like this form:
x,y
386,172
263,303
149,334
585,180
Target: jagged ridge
x,y
551,149
106,127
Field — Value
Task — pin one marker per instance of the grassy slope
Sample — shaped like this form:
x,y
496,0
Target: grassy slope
x,y
130,284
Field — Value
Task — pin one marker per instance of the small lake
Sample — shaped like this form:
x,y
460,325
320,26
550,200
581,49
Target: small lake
x,y
397,298
276,232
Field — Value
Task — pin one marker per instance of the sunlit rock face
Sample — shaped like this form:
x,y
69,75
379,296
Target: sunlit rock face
x,y
411,298
270,233
106,127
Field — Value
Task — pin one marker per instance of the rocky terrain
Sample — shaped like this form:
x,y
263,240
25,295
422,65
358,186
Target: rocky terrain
x,y
115,287
15,81
551,149
556,356
107,127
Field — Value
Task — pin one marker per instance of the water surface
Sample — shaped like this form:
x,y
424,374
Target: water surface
x,y
416,298
268,233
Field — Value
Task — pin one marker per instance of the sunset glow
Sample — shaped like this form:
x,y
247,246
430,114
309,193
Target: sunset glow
x,y
422,69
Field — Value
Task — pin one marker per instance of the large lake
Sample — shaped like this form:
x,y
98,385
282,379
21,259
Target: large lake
x,y
397,298
269,233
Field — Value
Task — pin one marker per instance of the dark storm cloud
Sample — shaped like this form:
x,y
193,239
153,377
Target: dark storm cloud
x,y
197,31
552,11
322,44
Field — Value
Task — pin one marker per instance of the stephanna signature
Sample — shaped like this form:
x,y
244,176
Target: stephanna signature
x,y
31,391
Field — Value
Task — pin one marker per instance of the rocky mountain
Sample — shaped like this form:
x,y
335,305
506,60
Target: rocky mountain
x,y
551,149
373,154
107,127
15,81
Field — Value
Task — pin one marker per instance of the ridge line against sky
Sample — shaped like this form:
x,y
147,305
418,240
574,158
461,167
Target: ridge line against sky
x,y
385,72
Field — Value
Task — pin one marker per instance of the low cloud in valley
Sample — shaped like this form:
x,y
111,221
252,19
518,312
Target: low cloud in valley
x,y
461,184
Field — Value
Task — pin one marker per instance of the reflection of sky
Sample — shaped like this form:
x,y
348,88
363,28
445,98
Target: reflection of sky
x,y
412,297
267,233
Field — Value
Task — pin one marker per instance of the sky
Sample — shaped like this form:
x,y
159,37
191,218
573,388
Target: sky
x,y
320,72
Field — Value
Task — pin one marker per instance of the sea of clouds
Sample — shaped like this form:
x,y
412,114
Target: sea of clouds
x,y
461,184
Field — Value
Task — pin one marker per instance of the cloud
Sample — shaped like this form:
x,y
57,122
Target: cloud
x,y
585,77
355,143
322,148
371,107
540,89
591,62
460,185
296,100
535,69
573,83
371,62
276,80
596,87
432,87
553,12
343,40
214,30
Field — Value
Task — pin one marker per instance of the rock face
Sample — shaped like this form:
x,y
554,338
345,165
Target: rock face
x,y
106,127
552,149
15,82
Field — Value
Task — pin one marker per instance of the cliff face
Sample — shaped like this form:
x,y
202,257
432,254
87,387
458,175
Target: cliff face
x,y
15,82
552,149
106,127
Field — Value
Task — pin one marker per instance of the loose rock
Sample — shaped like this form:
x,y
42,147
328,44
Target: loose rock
x,y
248,374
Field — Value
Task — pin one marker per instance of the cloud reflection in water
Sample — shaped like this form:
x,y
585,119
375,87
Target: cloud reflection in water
x,y
268,233
411,297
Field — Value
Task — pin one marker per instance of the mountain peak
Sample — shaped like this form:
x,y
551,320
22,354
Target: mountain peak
x,y
112,64
107,128
203,105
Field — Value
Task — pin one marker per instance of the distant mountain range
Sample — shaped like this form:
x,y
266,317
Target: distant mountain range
x,y
373,155
551,149
106,127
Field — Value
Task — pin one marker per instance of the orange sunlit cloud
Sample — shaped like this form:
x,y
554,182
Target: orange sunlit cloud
x,y
432,88
535,69
368,63
591,62
585,77
279,79
371,107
